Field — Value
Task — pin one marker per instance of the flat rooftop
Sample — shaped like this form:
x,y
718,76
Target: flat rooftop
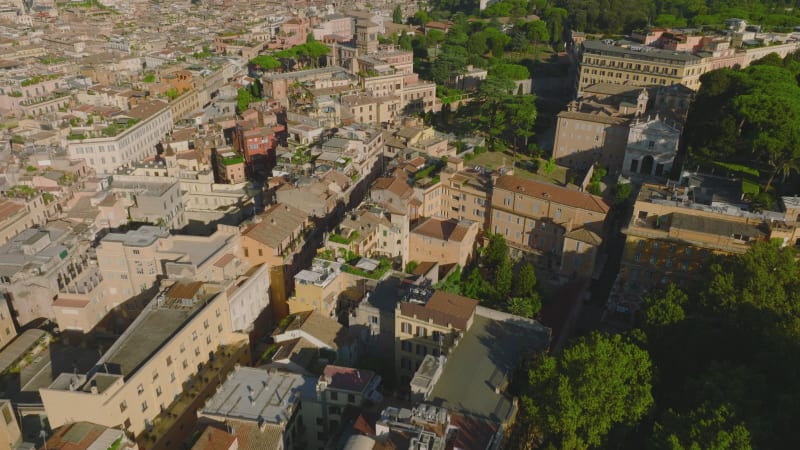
x,y
259,395
142,237
487,354
161,319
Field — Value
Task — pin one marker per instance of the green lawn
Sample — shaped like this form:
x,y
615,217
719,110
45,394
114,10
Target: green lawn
x,y
493,160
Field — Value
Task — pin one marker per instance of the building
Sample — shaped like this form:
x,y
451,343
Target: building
x,y
674,231
652,148
89,436
153,120
371,232
131,262
428,322
8,330
560,227
445,241
10,433
339,389
18,214
152,200
594,130
638,65
277,238
152,363
39,263
318,288
230,167
465,193
262,408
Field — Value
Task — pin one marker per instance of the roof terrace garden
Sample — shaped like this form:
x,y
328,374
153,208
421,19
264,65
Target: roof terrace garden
x,y
112,129
231,158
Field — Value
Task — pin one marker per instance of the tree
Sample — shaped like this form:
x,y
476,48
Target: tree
x,y
526,281
397,14
404,41
492,96
522,119
666,308
496,251
503,279
575,399
523,306
475,285
707,427
243,99
265,62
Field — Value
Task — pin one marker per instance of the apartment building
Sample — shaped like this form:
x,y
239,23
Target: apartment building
x,y
444,241
428,322
466,193
39,263
256,143
675,230
8,330
631,63
131,262
153,200
277,238
371,109
318,288
338,389
19,214
150,364
263,409
563,226
135,143
88,436
10,433
230,167
372,232
278,85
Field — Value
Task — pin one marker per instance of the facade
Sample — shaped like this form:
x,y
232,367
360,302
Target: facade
x,y
230,167
638,65
445,241
542,220
318,288
466,193
7,329
671,235
157,201
277,238
150,364
652,147
17,215
39,263
428,322
10,434
136,143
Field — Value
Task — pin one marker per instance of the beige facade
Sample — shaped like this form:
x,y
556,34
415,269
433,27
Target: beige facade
x,y
668,241
7,329
10,434
148,365
445,241
318,288
429,323
465,193
638,65
17,215
541,219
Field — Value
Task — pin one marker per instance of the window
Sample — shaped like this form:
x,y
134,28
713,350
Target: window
x,y
208,339
158,391
194,335
169,360
421,350
144,406
373,320
205,324
139,389
185,364
123,406
406,327
136,252
334,396
219,328
246,253
155,375
406,346
197,351
558,213
422,332
183,348
351,398
172,377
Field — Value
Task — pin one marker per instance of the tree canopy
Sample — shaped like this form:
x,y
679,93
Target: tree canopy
x,y
575,399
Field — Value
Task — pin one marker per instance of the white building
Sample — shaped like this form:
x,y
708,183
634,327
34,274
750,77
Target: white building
x,y
652,146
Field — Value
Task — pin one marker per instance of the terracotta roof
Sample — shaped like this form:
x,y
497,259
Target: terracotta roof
x,y
564,196
214,439
222,262
70,302
9,208
184,290
585,235
347,378
444,308
394,185
445,230
277,224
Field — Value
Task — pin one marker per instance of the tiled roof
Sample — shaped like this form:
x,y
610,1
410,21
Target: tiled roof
x,y
444,308
277,224
564,196
214,439
347,378
446,230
